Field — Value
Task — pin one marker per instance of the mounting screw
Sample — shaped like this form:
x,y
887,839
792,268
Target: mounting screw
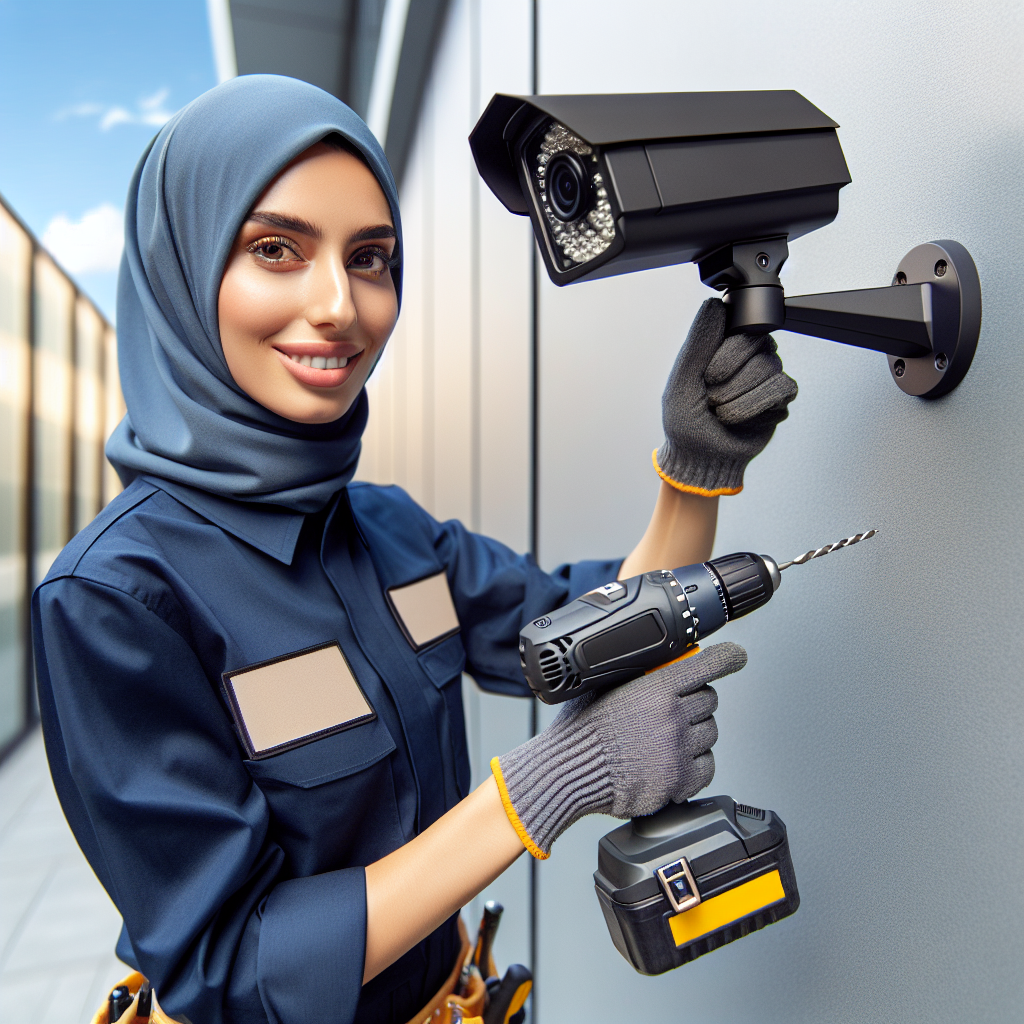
x,y
941,362
900,278
764,261
940,268
899,367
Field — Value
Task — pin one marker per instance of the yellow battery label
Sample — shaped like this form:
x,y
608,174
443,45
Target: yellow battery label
x,y
727,907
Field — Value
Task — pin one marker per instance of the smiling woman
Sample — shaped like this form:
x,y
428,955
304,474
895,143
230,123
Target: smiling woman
x,y
249,666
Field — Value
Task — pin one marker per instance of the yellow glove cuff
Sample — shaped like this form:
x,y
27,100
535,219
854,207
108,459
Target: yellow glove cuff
x,y
687,488
506,802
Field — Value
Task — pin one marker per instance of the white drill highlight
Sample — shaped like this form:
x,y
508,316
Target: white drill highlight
x,y
828,548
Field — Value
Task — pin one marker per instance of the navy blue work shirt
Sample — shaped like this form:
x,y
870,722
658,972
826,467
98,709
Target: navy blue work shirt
x,y
241,882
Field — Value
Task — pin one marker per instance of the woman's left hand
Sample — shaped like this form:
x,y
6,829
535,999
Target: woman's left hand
x,y
722,402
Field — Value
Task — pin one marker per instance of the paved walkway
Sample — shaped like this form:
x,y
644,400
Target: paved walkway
x,y
57,926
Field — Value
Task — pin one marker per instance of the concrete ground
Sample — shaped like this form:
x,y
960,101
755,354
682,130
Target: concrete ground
x,y
57,925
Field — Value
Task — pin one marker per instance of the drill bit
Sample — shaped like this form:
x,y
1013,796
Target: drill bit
x,y
808,555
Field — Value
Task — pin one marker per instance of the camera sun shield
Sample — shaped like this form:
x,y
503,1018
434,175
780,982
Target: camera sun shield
x,y
626,182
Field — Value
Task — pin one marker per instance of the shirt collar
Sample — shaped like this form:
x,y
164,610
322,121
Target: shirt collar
x,y
270,528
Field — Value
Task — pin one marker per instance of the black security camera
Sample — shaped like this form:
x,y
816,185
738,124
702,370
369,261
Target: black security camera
x,y
625,182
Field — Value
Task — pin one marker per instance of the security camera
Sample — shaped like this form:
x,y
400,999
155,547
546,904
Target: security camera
x,y
630,182
625,182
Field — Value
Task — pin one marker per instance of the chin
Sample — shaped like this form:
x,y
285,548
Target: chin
x,y
294,402
318,413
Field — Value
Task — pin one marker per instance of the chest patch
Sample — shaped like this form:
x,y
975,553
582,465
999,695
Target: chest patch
x,y
292,700
425,610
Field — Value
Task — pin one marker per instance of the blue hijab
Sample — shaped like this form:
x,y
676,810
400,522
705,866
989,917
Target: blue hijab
x,y
188,421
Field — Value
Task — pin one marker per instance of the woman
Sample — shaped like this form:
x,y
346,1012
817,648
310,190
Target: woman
x,y
275,858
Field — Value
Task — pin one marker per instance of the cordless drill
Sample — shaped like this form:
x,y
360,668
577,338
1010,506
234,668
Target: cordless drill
x,y
628,627
694,876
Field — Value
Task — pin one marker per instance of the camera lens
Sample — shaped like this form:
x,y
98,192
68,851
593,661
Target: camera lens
x,y
568,187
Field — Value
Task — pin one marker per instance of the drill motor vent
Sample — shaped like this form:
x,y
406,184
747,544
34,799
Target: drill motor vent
x,y
555,666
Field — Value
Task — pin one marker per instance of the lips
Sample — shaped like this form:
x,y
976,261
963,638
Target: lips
x,y
318,371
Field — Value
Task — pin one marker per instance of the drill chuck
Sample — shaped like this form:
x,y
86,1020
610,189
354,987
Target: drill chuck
x,y
626,628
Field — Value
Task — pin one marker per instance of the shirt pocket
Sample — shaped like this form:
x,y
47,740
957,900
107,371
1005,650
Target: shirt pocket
x,y
443,665
327,759
444,662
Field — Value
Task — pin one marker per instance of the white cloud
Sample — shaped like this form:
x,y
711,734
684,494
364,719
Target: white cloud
x,y
81,110
90,244
149,111
115,115
156,101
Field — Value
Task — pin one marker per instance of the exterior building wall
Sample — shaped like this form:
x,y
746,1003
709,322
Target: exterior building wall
x,y
59,399
881,713
450,399
15,356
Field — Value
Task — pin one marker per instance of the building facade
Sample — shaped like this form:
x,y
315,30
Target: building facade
x,y
59,400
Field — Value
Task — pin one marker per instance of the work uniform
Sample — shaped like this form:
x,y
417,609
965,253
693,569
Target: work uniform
x,y
240,879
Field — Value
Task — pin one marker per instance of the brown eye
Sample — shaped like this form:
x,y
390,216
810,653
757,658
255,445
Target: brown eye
x,y
274,250
372,261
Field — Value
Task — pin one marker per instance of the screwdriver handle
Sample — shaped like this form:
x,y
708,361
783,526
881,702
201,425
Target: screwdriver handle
x,y
145,1007
118,1001
483,958
508,1000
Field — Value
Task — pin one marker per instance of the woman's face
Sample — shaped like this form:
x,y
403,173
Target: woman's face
x,y
307,301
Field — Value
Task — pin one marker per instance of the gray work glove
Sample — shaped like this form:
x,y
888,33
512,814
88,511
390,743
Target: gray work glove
x,y
626,752
721,405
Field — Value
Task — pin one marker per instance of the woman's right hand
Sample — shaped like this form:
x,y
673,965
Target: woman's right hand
x,y
626,752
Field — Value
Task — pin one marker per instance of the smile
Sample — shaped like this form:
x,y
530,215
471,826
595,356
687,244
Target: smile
x,y
321,362
319,371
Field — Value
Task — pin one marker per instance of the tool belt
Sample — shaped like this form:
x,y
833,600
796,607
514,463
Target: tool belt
x,y
471,1005
464,997
134,983
438,1011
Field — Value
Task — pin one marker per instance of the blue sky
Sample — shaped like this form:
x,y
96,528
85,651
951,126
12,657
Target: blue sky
x,y
87,83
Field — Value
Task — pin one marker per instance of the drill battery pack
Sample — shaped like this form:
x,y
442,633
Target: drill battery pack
x,y
680,883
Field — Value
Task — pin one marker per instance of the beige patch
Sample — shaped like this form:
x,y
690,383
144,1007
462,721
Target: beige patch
x,y
424,610
289,701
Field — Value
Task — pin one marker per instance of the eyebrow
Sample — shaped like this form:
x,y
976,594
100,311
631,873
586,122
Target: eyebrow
x,y
378,231
278,220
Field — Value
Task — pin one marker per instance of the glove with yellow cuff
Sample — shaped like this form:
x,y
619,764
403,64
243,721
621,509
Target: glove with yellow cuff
x,y
722,402
625,752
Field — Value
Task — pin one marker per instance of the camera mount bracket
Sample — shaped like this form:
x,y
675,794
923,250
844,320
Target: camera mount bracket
x,y
748,273
927,322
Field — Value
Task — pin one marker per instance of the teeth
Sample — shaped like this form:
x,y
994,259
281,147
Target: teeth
x,y
321,362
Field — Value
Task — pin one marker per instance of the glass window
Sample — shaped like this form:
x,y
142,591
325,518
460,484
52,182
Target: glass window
x,y
115,410
53,310
90,413
14,409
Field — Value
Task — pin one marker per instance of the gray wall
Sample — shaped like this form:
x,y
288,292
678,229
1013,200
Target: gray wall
x,y
450,399
881,712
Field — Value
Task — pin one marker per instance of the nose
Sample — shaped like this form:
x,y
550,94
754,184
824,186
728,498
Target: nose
x,y
330,307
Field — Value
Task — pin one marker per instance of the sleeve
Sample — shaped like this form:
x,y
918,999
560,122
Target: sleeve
x,y
149,776
496,592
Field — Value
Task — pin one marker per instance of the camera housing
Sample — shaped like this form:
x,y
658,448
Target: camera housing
x,y
625,182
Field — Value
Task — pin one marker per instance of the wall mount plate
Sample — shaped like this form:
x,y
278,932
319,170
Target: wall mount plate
x,y
956,318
